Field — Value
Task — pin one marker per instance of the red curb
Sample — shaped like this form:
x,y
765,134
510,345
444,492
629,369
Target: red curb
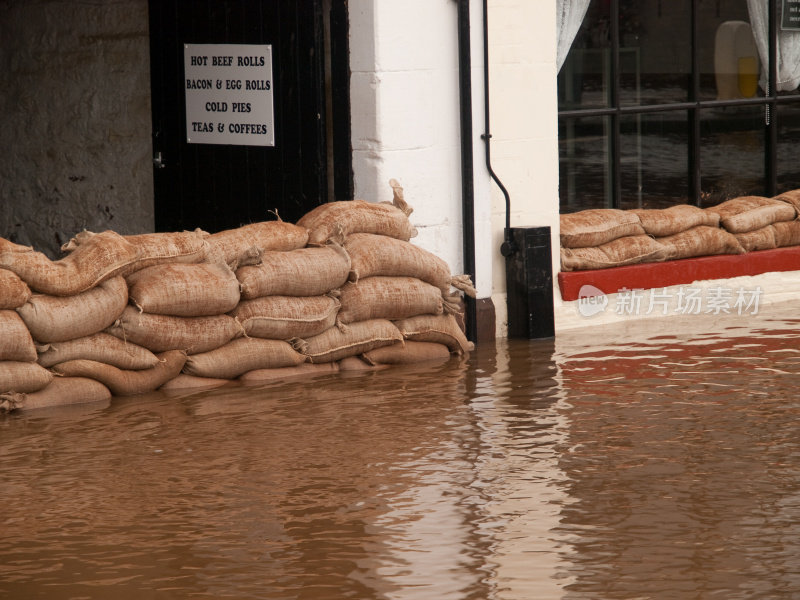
x,y
676,272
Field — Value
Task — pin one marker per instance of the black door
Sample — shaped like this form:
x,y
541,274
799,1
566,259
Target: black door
x,y
216,186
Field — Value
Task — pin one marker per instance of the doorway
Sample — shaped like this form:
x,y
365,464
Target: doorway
x,y
216,186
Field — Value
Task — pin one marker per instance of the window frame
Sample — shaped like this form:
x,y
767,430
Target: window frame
x,y
693,108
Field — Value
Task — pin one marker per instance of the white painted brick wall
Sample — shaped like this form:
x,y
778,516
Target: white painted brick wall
x,y
405,99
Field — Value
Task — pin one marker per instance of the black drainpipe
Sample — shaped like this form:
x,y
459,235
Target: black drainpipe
x,y
467,182
529,272
508,246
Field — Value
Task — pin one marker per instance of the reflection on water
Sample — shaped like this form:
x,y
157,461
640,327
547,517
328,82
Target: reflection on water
x,y
651,466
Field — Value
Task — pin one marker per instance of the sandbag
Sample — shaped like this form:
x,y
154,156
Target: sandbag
x,y
184,381
389,298
304,272
758,239
244,245
243,355
13,291
9,246
372,255
359,216
184,290
100,347
302,370
700,241
60,318
787,233
124,382
62,391
335,343
159,333
630,250
17,376
407,353
153,248
168,247
286,317
594,227
97,258
748,213
672,220
791,197
439,329
356,364
15,340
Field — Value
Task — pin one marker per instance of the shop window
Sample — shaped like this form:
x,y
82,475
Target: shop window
x,y
681,101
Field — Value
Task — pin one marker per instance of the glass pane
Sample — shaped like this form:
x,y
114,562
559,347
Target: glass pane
x,y
788,48
583,81
655,51
654,153
788,165
727,55
731,153
583,160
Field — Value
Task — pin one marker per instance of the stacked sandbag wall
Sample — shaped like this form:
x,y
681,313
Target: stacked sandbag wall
x,y
604,238
122,315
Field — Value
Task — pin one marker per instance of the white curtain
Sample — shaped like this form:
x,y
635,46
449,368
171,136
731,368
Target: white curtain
x,y
569,17
788,50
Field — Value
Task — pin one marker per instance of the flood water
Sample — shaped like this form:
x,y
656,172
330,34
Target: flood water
x,y
625,462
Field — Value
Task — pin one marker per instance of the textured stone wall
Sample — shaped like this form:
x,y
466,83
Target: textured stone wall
x,y
75,123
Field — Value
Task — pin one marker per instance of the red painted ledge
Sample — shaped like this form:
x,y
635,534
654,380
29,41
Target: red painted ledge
x,y
677,272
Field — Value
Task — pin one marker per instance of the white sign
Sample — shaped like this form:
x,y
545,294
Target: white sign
x,y
229,94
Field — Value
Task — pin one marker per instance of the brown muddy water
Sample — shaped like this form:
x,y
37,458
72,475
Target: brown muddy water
x,y
641,461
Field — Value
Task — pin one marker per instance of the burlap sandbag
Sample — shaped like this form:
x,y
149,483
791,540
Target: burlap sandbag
x,y
286,317
243,355
244,245
787,233
356,364
300,371
335,344
630,250
62,391
60,318
24,377
792,197
94,257
183,381
15,339
124,382
184,290
13,291
672,220
389,298
153,248
304,272
748,213
439,329
759,239
168,247
99,257
359,216
372,255
9,246
100,347
407,353
700,241
159,333
594,227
